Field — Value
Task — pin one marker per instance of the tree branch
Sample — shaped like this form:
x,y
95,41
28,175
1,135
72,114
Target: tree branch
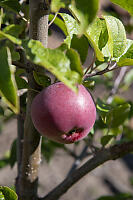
x,y
101,157
117,84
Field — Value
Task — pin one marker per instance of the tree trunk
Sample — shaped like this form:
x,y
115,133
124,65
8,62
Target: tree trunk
x,y
31,156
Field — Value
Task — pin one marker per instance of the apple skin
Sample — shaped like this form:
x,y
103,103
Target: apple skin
x,y
62,115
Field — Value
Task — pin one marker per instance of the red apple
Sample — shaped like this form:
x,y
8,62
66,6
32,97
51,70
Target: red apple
x,y
62,115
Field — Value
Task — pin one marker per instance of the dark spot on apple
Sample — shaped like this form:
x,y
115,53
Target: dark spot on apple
x,y
75,130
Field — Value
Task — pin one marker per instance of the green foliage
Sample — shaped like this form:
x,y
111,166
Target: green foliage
x,y
117,36
124,196
128,79
11,5
55,61
49,147
126,4
85,12
95,34
7,83
10,37
111,115
41,79
71,26
106,139
81,45
13,154
127,57
7,194
58,22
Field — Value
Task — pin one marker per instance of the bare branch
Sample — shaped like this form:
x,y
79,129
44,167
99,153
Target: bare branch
x,y
107,69
117,84
101,157
53,19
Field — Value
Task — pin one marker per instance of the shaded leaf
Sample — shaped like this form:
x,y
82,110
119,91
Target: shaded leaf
x,y
41,79
13,29
103,109
124,196
57,4
75,63
128,79
12,5
8,87
10,37
118,115
81,45
13,154
106,139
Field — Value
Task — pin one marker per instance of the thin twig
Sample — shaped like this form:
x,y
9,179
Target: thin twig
x,y
107,69
53,19
78,160
91,65
117,84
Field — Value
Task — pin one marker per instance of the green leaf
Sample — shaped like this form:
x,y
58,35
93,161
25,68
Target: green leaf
x,y
12,5
117,36
81,45
103,109
13,154
57,4
124,196
127,57
21,82
10,37
118,115
126,4
84,11
98,36
41,79
4,162
1,16
128,79
13,29
7,83
14,54
53,60
71,26
59,23
48,148
75,63
7,194
106,139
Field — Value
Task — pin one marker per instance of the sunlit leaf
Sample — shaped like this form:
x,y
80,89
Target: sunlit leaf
x,y
53,60
126,4
84,11
7,194
117,36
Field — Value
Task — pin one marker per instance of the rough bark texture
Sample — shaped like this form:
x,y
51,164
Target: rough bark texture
x,y
28,179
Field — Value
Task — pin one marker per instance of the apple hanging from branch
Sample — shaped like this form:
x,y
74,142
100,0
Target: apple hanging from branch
x,y
62,115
